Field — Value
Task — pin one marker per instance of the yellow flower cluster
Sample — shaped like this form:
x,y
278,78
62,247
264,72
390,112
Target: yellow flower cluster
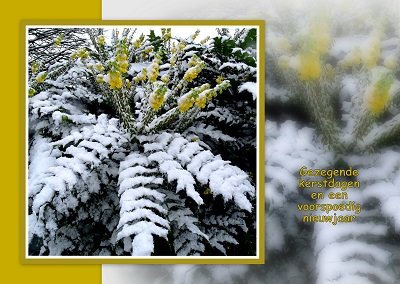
x,y
115,80
80,53
185,103
59,39
101,40
187,100
352,59
195,35
166,34
378,95
31,92
100,78
99,67
192,73
321,39
222,86
156,98
196,66
203,41
219,79
165,78
41,77
173,60
204,97
141,76
372,53
122,62
194,60
148,49
309,66
138,42
35,67
152,72
128,83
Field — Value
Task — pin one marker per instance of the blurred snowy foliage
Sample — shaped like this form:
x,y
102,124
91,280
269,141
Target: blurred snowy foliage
x,y
136,143
332,100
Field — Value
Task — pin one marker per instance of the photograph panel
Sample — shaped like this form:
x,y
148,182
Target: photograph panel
x,y
142,143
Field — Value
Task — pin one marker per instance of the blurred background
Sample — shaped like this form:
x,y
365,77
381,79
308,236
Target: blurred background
x,y
332,101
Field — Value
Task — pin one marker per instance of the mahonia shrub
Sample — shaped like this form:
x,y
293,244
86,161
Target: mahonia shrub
x,y
136,143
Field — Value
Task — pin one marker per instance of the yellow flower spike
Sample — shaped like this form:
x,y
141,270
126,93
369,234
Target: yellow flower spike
x,y
193,61
128,83
204,41
121,57
372,54
35,67
156,98
101,40
100,78
31,92
185,103
115,80
141,76
378,95
41,77
99,67
59,39
219,79
321,39
148,49
82,53
123,66
195,35
173,60
201,102
165,78
181,46
310,67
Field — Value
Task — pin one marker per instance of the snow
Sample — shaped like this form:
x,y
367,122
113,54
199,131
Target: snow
x,y
250,87
43,197
238,67
137,67
138,180
142,227
141,213
142,244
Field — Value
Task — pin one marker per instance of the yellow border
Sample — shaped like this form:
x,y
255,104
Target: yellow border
x,y
261,121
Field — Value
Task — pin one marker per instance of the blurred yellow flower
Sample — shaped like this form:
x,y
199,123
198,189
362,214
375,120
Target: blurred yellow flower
x,y
372,54
378,95
309,67
321,39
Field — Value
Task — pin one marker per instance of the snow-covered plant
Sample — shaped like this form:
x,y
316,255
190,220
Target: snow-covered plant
x,y
131,141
